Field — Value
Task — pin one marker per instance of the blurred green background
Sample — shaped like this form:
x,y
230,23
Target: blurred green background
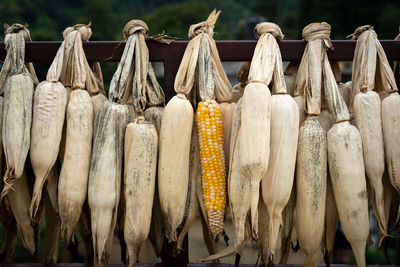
x,y
47,19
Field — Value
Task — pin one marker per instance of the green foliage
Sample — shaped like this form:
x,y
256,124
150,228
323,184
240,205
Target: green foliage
x,y
176,19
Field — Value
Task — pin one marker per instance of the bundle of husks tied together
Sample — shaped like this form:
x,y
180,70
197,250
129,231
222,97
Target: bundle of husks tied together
x,y
17,83
121,133
62,127
374,103
339,147
193,149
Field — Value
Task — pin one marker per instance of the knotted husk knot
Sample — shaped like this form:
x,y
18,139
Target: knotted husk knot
x,y
268,27
18,28
133,26
83,29
204,26
314,31
360,30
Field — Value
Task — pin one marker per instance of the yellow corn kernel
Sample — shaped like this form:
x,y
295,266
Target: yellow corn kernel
x,y
211,141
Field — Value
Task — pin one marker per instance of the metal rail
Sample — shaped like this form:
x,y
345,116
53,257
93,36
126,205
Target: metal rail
x,y
171,55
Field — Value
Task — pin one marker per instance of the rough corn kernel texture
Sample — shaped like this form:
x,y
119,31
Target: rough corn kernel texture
x,y
211,141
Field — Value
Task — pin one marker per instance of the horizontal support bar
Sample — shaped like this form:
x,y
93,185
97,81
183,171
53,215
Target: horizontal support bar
x,y
291,50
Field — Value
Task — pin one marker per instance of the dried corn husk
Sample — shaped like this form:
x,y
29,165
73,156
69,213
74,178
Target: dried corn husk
x,y
256,111
156,234
346,167
77,75
17,84
238,186
331,213
288,225
211,85
227,110
49,105
52,230
242,78
85,232
371,71
173,169
141,143
192,207
105,174
141,138
311,166
345,91
331,220
11,234
200,53
72,187
133,83
291,77
19,201
278,181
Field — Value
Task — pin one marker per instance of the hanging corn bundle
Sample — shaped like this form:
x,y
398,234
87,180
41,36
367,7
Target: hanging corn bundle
x,y
250,142
311,167
346,167
17,86
331,213
153,114
278,181
201,53
77,75
375,121
174,147
390,125
108,146
49,105
213,121
136,85
288,212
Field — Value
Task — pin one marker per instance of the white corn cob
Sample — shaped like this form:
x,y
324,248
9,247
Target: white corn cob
x,y
346,167
368,118
173,165
391,134
277,184
141,143
17,118
311,171
49,105
74,175
105,175
255,140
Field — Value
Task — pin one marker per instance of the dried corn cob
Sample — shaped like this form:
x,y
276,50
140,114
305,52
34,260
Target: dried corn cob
x,y
346,168
210,129
311,166
368,67
278,181
17,84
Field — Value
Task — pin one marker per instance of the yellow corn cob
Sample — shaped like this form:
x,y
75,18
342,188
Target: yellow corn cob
x,y
211,141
